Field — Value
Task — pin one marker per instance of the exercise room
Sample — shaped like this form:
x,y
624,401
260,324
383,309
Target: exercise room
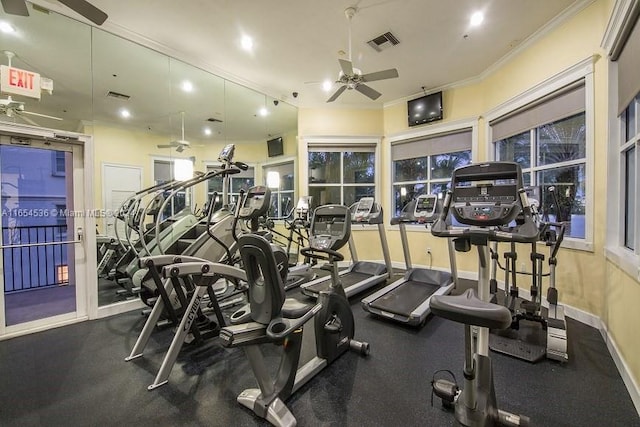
x,y
354,213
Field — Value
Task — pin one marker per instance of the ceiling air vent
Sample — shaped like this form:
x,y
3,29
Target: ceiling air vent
x,y
214,120
117,95
383,42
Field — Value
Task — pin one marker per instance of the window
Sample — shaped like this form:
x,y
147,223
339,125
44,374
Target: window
x,y
341,175
163,171
282,197
548,139
629,145
622,43
240,181
58,163
425,165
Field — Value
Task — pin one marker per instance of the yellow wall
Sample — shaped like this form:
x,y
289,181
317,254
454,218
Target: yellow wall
x,y
118,145
326,122
622,316
584,278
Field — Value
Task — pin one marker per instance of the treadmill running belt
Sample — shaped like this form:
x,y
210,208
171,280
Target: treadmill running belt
x,y
348,279
405,298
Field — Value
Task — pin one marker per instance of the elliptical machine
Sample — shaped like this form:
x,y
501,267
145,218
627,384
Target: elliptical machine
x,y
283,321
483,197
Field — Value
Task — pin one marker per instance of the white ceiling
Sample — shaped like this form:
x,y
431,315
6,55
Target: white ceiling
x,y
298,41
295,42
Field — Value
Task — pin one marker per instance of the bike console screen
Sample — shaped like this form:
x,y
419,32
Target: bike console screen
x,y
486,194
330,228
256,202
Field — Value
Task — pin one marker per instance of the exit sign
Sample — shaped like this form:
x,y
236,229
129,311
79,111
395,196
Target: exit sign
x,y
19,82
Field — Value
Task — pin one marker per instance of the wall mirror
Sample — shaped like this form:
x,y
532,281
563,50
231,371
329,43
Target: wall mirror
x,y
137,103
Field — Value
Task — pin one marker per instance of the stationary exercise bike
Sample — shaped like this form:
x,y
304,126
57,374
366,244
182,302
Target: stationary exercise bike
x,y
483,197
283,321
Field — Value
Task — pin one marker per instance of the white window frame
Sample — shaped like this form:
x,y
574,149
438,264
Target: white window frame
x,y
426,132
615,250
623,148
282,161
339,142
215,164
581,70
189,193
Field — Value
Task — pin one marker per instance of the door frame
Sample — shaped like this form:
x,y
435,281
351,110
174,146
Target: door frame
x,y
97,312
106,165
86,278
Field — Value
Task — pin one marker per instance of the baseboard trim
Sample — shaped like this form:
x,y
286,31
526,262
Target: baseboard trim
x,y
623,368
42,328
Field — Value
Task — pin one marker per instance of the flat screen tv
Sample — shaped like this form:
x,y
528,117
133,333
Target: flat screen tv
x,y
275,147
425,109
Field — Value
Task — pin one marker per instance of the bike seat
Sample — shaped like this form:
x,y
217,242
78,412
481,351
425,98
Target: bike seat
x,y
293,309
467,308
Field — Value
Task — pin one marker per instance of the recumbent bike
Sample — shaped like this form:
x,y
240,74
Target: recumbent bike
x,y
283,321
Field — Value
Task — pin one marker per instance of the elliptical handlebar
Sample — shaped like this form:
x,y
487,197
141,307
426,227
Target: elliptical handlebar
x,y
184,185
316,253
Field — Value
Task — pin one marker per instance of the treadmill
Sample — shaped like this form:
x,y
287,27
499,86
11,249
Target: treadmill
x,y
407,299
360,275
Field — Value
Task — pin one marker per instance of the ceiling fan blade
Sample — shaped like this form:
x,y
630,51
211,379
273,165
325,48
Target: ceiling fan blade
x,y
391,73
367,91
15,7
337,93
347,67
87,10
31,113
165,146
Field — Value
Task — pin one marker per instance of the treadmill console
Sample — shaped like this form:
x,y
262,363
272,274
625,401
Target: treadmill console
x,y
330,227
367,211
486,194
426,208
256,202
302,207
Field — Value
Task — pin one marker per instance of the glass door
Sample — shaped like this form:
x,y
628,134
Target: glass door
x,y
42,232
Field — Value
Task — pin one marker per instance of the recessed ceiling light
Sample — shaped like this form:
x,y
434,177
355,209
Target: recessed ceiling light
x,y
5,27
207,131
476,19
125,114
247,43
187,86
263,111
327,85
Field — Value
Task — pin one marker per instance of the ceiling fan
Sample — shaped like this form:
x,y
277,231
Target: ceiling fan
x,y
179,144
352,78
82,7
11,108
